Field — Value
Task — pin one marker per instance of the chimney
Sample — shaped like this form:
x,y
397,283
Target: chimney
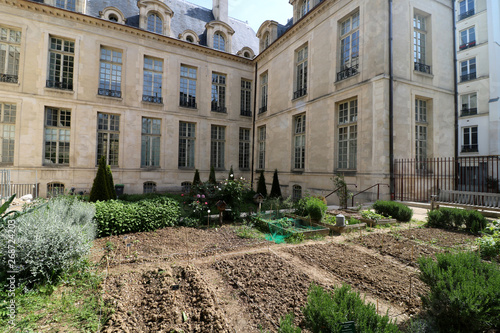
x,y
220,10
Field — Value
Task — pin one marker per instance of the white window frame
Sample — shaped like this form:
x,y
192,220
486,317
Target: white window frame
x,y
219,41
466,8
153,80
217,146
349,46
244,149
61,63
57,138
8,114
419,39
188,86
66,4
219,93
468,104
299,142
10,52
187,142
421,132
470,134
347,134
108,137
301,57
468,70
246,98
150,142
110,72
263,92
261,144
467,38
155,23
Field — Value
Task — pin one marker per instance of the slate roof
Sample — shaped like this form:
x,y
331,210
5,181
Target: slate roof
x,y
186,16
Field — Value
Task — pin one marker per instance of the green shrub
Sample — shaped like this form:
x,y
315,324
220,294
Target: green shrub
x,y
393,209
230,175
196,178
464,292
101,188
116,217
261,185
139,197
275,188
111,183
211,176
311,206
325,311
287,326
454,218
489,243
48,241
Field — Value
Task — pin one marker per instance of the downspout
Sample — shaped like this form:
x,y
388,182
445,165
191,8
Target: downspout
x,y
455,76
253,124
391,107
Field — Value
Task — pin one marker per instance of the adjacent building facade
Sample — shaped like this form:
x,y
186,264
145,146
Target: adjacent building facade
x,y
161,88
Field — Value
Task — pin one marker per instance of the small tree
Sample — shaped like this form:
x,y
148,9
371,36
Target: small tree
x,y
275,188
231,174
196,179
261,185
111,183
211,177
343,192
100,188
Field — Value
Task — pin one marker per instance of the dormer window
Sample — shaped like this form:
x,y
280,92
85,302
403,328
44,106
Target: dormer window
x,y
266,41
66,4
155,23
190,39
112,14
155,16
113,18
304,8
219,42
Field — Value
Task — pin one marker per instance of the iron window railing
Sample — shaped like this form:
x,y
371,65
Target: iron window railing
x,y
422,68
59,85
467,45
217,108
263,109
109,92
466,14
468,112
9,78
347,72
467,77
246,113
299,93
470,148
186,102
152,99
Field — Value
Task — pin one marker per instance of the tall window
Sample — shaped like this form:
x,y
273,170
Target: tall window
x,y
263,93
419,44
301,73
261,140
57,135
187,138
66,4
348,134
349,47
155,23
218,135
267,40
153,75
7,132
188,87
468,70
244,152
108,136
466,9
469,104
150,142
299,139
246,97
61,63
304,7
219,42
219,92
110,73
470,144
296,192
420,132
467,38
10,45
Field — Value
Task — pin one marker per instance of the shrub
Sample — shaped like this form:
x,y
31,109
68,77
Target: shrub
x,y
275,188
139,197
48,241
393,209
261,185
116,217
111,183
211,176
343,192
100,189
311,206
325,311
464,292
230,176
454,218
287,326
196,178
489,244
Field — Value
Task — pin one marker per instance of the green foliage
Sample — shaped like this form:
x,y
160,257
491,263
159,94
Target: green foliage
x,y
111,183
368,214
454,218
261,185
464,292
489,243
287,326
343,192
117,217
325,311
100,189
330,219
275,188
230,176
393,209
47,241
311,206
139,197
211,177
295,238
196,179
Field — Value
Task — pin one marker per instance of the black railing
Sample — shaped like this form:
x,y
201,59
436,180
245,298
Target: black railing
x,y
218,108
466,14
59,85
467,77
423,68
109,92
9,78
369,188
188,103
263,109
347,72
246,113
467,45
468,112
470,148
299,93
152,99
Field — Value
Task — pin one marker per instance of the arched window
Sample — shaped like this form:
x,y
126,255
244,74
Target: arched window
x,y
190,39
296,192
113,17
55,189
149,187
155,24
266,40
219,42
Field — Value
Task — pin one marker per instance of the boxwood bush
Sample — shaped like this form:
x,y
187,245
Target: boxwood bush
x,y
117,217
393,209
311,206
464,292
454,218
48,241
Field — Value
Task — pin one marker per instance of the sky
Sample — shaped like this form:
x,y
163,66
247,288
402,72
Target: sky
x,y
251,11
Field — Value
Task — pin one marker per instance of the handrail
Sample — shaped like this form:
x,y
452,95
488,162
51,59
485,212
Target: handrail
x,y
378,191
340,188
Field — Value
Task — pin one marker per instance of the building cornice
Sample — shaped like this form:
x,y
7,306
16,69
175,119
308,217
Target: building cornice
x,y
105,24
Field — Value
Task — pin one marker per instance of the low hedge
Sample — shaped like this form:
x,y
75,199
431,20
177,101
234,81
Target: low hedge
x,y
454,218
115,217
393,209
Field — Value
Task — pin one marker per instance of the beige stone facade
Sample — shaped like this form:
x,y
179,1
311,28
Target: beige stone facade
x,y
320,88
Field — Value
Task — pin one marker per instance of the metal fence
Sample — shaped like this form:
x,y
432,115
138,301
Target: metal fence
x,y
417,180
9,187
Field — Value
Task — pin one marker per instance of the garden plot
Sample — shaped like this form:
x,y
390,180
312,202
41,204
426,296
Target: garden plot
x,y
442,238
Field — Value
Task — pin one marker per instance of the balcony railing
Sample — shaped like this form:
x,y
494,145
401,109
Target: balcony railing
x,y
263,109
467,77
9,78
187,103
466,14
423,68
109,92
218,108
299,93
470,148
347,72
246,113
152,99
59,85
467,45
468,112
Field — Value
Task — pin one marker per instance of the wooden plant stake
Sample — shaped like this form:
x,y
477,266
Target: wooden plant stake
x,y
410,287
187,246
412,253
377,305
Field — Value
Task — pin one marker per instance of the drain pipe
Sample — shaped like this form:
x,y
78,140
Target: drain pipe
x,y
455,76
391,107
253,124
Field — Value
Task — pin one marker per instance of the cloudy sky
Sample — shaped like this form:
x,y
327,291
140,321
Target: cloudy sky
x,y
252,10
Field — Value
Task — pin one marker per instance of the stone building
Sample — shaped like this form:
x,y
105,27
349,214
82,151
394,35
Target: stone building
x,y
163,87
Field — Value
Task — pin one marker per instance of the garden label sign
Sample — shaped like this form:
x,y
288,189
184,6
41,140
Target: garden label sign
x,y
348,327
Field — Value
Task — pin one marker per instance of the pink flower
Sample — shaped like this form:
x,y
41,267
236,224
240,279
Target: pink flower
x,y
203,196
197,202
206,203
198,196
182,194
